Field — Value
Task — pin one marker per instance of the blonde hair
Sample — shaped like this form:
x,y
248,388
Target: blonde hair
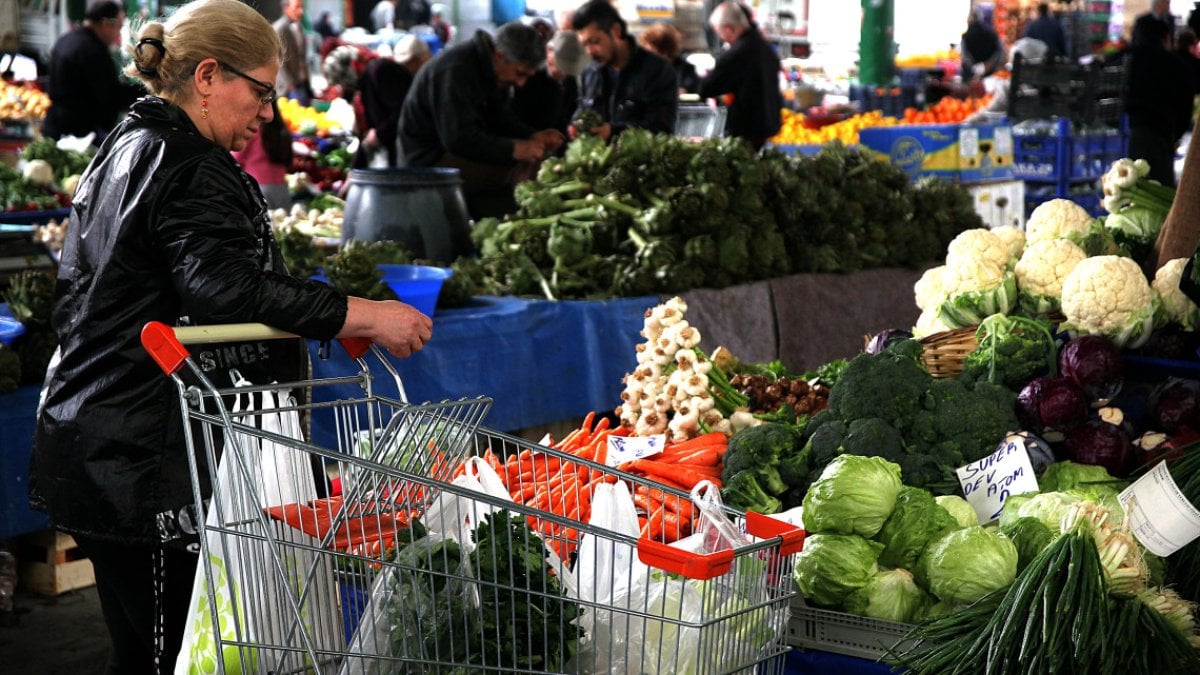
x,y
165,55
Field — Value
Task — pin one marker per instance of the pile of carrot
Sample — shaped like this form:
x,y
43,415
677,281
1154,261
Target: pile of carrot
x,y
565,488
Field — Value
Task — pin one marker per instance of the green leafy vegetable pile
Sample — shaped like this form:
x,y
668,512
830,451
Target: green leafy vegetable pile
x,y
65,162
30,298
656,214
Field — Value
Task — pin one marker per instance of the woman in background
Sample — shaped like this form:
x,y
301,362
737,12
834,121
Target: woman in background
x,y
664,39
268,158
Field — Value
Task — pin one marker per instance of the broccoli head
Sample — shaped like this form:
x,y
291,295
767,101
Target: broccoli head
x,y
759,450
873,437
825,438
968,422
795,468
887,385
742,490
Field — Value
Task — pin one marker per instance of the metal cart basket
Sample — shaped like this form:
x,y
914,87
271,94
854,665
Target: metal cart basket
x,y
396,574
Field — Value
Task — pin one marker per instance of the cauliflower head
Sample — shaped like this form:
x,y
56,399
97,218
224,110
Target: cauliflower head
x,y
928,289
1176,307
1108,295
977,244
976,289
1057,219
1013,237
1041,271
929,323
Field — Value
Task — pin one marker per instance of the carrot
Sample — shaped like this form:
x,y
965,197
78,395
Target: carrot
x,y
671,526
701,441
682,475
701,457
646,503
680,505
588,420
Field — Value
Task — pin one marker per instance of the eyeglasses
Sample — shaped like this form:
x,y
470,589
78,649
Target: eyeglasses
x,y
268,97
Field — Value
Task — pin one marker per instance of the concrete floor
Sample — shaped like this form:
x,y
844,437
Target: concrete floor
x,y
63,635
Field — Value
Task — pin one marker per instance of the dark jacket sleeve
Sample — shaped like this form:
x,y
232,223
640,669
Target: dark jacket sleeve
x,y
463,125
660,95
725,74
210,250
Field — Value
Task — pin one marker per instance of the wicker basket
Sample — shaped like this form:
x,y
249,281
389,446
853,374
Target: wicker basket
x,y
944,352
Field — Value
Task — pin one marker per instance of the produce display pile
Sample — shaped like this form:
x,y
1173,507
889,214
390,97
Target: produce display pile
x,y
22,102
803,129
46,180
657,214
30,299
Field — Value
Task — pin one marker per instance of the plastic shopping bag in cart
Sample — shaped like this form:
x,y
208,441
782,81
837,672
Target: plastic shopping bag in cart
x,y
259,568
457,516
734,607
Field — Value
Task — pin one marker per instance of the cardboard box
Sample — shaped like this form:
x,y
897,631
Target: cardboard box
x,y
953,152
1001,203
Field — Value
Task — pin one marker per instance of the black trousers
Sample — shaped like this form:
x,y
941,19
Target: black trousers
x,y
1157,148
144,595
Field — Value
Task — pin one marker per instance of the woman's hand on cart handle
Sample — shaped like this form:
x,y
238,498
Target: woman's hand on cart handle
x,y
395,326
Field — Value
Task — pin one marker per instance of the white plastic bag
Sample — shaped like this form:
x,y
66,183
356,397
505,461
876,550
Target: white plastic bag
x,y
252,592
456,516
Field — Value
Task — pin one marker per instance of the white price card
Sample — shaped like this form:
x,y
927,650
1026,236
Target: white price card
x,y
1002,139
623,449
988,482
1161,518
968,142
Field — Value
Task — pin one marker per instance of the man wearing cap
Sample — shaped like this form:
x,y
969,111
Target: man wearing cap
x,y
85,92
458,114
749,71
383,87
627,85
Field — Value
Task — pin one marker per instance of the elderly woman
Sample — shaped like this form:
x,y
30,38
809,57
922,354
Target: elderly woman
x,y
165,226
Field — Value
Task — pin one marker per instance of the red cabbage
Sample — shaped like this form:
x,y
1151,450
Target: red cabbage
x,y
1051,406
1095,364
1102,444
1175,406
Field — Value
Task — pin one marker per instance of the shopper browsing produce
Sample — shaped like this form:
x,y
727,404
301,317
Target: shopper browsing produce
x,y
166,227
749,70
627,85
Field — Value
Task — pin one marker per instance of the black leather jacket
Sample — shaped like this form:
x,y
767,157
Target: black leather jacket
x,y
165,226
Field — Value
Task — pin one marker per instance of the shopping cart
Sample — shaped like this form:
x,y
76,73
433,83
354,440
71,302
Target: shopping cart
x,y
405,572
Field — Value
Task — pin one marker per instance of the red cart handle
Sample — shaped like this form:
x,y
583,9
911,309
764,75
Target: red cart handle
x,y
704,566
165,344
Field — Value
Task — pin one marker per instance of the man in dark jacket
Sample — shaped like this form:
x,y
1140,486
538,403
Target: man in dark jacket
x,y
627,85
749,70
458,114
1047,29
85,93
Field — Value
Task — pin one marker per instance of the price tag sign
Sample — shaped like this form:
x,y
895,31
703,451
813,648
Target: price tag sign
x,y
988,482
623,449
1161,518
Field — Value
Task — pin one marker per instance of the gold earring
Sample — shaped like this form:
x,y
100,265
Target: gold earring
x,y
204,108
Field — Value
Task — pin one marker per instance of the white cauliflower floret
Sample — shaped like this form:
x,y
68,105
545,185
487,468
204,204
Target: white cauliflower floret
x,y
1041,271
1108,295
977,244
971,275
1176,307
930,322
976,289
928,289
1056,219
1013,238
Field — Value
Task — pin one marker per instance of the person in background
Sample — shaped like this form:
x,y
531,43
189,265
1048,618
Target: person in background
x,y
1185,50
412,13
1047,29
384,86
437,21
664,40
324,27
627,85
1159,100
458,114
293,78
86,93
550,97
981,52
165,226
1160,12
749,70
383,16
267,157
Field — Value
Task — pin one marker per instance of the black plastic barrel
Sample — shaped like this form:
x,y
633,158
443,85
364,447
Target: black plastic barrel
x,y
420,207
